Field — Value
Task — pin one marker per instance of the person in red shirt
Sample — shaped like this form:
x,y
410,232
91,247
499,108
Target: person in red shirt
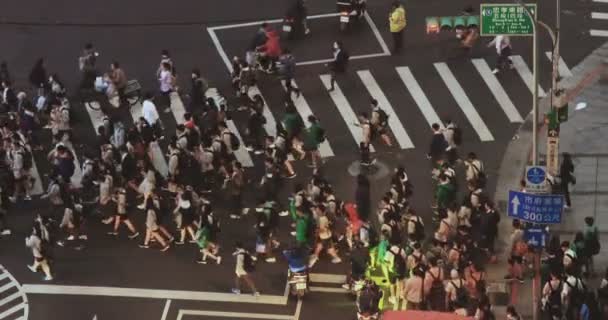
x,y
271,50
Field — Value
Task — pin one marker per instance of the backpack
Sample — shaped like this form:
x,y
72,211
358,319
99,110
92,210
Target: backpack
x,y
554,301
437,288
480,284
418,229
481,177
399,264
28,160
592,245
577,294
235,143
248,263
382,116
185,161
457,136
462,296
118,136
322,135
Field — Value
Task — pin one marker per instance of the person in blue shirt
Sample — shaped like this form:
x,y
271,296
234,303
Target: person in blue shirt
x,y
297,259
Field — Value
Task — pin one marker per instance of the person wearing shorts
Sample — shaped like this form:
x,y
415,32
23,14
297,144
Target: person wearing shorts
x,y
325,238
241,273
121,214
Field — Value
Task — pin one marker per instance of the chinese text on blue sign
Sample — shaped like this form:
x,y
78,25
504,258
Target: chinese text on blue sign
x,y
535,208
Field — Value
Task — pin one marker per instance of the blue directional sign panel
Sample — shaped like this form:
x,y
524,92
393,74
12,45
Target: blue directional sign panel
x,y
535,237
536,208
536,174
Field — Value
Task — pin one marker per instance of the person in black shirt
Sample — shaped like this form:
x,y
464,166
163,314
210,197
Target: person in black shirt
x,y
438,144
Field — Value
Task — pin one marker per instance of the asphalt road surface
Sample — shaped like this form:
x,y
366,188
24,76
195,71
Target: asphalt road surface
x,y
431,80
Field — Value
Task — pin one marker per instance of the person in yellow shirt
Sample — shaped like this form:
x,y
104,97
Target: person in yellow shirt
x,y
397,23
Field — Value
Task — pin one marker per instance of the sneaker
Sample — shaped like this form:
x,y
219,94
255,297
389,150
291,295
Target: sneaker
x,y
172,239
256,294
293,233
141,207
508,277
201,261
310,165
165,248
345,286
236,291
48,278
495,71
107,221
336,260
271,259
520,279
392,300
291,176
28,198
192,241
179,242
144,246
254,258
258,152
133,236
83,237
6,232
32,268
245,211
71,238
112,233
12,199
250,149
168,110
283,213
219,260
61,243
235,216
566,206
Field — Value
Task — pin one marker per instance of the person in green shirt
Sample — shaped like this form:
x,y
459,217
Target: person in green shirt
x,y
293,124
592,242
302,221
207,248
445,192
313,136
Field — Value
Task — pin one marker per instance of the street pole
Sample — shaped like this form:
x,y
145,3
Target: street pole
x,y
535,94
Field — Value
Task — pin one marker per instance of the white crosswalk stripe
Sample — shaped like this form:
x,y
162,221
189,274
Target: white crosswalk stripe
x,y
177,108
464,102
497,90
242,155
345,110
154,151
271,123
419,97
393,121
37,188
96,115
599,15
598,33
526,75
562,68
13,301
305,111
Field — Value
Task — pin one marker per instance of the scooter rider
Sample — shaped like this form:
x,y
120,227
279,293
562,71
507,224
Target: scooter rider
x,y
297,259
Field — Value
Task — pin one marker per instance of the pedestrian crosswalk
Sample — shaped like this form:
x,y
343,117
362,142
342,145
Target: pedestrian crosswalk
x,y
13,302
406,81
599,18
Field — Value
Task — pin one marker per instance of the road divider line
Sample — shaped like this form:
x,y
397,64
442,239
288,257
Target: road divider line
x,y
327,289
526,75
156,154
497,90
393,120
166,310
151,294
562,67
305,111
241,154
345,110
419,97
237,315
327,278
463,102
599,15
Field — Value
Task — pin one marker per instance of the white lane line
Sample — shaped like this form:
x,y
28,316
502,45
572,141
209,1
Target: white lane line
x,y
155,153
601,1
393,120
327,289
419,97
177,107
166,310
327,278
7,286
296,315
345,110
524,72
497,90
599,15
96,116
242,155
12,310
271,123
463,102
151,294
305,111
376,32
237,315
598,33
562,67
10,298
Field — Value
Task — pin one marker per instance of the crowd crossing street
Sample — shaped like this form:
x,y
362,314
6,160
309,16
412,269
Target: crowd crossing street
x,y
288,160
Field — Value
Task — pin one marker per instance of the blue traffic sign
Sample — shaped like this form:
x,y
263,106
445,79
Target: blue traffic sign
x,y
536,174
535,208
535,237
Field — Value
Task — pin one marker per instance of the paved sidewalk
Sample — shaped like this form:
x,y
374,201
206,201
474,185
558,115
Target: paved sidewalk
x,y
582,136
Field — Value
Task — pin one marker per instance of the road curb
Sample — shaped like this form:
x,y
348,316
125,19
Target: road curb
x,y
518,152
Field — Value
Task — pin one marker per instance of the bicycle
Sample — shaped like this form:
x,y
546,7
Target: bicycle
x,y
103,90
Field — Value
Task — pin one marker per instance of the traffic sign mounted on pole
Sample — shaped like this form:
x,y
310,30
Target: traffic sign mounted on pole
x,y
536,208
507,19
535,237
536,179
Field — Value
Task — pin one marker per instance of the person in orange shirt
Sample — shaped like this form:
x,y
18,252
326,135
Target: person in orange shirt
x,y
413,291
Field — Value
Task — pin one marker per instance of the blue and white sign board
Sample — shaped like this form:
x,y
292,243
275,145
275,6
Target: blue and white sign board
x,y
536,208
535,237
536,177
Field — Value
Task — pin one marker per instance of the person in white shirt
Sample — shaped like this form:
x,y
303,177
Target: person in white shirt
x,y
166,81
148,110
503,49
241,273
34,242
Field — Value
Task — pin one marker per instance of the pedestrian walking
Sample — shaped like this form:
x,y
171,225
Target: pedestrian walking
x,y
566,173
438,145
243,268
38,75
166,81
119,81
502,43
86,64
198,88
287,70
338,64
363,198
314,135
397,23
34,242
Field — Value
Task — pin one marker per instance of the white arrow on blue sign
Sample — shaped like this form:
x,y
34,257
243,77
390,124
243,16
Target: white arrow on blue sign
x,y
535,208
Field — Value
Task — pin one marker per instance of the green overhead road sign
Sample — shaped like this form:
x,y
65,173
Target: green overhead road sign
x,y
508,19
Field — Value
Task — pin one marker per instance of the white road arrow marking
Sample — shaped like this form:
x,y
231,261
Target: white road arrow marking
x,y
95,317
515,202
